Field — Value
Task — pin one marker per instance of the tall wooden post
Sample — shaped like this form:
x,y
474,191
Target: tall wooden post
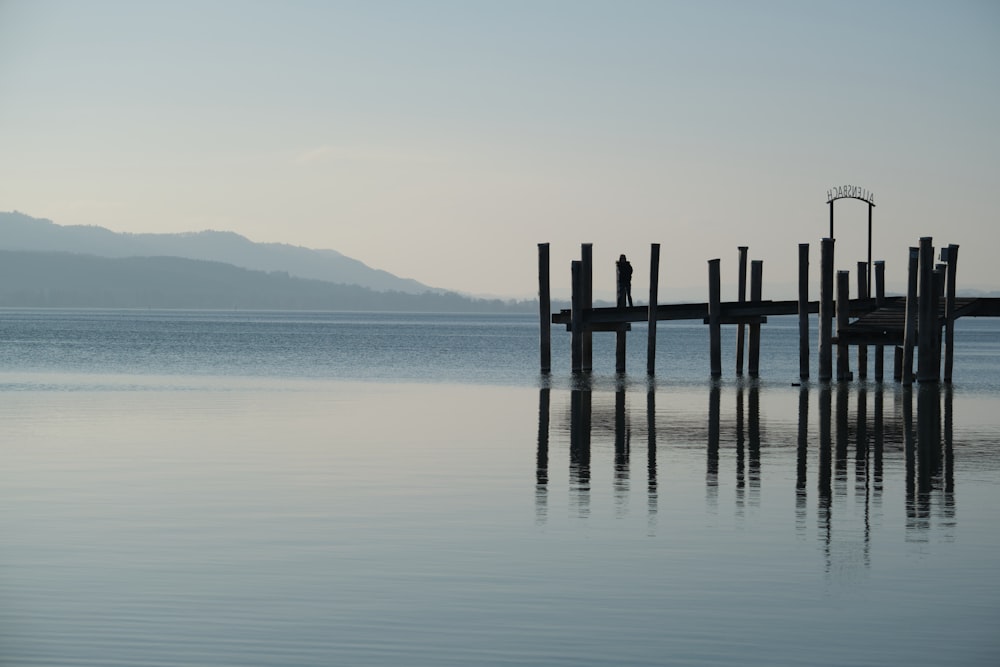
x,y
826,306
939,277
926,316
910,323
803,311
863,292
620,332
576,317
587,278
949,313
654,286
741,296
879,302
715,316
843,319
544,310
756,286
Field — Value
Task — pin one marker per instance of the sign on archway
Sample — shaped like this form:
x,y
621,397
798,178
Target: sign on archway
x,y
861,194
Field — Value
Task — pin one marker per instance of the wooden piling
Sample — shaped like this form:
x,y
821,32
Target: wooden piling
x,y
715,316
803,311
544,310
910,323
949,313
756,289
654,286
826,307
879,301
576,315
939,277
620,331
862,293
926,315
843,319
587,284
741,297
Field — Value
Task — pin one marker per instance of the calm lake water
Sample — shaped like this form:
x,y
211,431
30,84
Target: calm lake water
x,y
190,488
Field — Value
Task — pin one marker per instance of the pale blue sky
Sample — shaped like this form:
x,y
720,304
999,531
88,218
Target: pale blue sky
x,y
442,141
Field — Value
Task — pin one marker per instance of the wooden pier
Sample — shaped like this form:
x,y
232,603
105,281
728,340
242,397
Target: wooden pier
x,y
921,322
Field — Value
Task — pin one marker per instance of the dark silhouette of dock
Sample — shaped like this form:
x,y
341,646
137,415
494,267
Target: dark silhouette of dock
x,y
917,326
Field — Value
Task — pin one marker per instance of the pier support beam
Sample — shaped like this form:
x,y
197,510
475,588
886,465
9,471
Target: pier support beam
x,y
949,312
620,332
803,311
826,307
756,290
544,310
741,297
863,292
715,317
879,301
587,284
843,319
910,323
654,286
926,326
576,316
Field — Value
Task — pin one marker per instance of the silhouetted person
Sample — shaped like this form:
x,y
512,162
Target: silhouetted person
x,y
624,281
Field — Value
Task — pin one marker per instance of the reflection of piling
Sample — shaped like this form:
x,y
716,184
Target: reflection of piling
x,y
714,410
579,448
651,490
542,457
824,487
801,457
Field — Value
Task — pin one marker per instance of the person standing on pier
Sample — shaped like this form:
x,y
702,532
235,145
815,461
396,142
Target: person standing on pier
x,y
624,281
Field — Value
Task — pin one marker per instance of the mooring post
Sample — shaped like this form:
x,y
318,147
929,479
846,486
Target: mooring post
x,y
756,287
925,324
587,277
576,317
826,306
843,319
879,302
654,286
544,310
949,312
803,311
863,293
715,316
741,296
910,323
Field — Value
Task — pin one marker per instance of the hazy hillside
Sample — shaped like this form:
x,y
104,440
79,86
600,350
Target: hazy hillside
x,y
34,279
22,232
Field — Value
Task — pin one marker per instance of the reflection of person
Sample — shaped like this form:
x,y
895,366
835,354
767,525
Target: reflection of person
x,y
624,281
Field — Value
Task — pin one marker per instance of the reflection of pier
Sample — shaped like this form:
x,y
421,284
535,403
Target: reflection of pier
x,y
844,452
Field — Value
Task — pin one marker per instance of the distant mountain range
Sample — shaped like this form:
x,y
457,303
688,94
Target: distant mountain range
x,y
22,232
43,264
